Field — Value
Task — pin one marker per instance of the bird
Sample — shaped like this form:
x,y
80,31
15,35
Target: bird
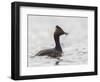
x,y
57,51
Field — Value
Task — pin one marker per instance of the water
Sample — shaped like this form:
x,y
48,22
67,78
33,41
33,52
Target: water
x,y
75,55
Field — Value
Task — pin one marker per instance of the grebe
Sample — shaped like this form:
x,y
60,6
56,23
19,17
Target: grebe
x,y
57,51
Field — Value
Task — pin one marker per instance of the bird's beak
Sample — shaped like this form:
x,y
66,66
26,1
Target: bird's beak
x,y
65,33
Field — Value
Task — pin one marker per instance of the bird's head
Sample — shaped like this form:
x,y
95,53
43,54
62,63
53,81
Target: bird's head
x,y
59,31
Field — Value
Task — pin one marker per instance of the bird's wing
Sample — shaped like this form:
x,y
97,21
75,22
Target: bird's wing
x,y
45,52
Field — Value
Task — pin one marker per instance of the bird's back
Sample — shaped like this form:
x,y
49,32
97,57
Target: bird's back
x,y
50,52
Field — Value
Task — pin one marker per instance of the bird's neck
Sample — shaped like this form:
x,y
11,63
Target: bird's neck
x,y
57,42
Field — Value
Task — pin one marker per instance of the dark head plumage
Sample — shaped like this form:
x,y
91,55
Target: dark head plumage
x,y
59,31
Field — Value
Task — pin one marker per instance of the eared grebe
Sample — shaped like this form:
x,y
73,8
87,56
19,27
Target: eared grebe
x,y
57,51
